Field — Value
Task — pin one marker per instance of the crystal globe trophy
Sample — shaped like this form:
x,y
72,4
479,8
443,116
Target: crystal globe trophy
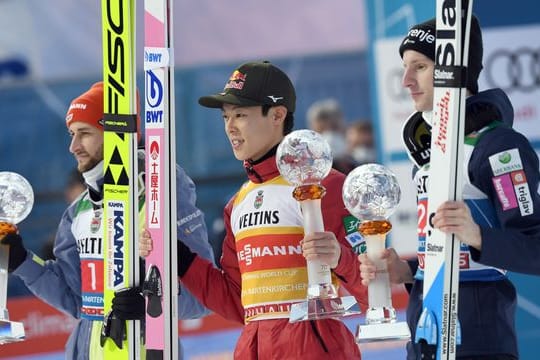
x,y
371,193
304,159
16,201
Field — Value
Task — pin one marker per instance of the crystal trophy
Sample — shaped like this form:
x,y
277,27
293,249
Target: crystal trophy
x,y
371,193
16,201
304,159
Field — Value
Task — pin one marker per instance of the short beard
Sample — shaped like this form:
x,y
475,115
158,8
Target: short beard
x,y
90,164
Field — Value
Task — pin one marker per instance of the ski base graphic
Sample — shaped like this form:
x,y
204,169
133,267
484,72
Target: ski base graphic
x,y
161,283
120,339
438,329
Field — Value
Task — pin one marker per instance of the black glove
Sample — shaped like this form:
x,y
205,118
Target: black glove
x,y
128,304
17,252
185,257
153,291
113,328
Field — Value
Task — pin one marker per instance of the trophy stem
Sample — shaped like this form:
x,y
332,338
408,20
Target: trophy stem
x,y
322,296
318,272
4,261
381,315
379,293
9,331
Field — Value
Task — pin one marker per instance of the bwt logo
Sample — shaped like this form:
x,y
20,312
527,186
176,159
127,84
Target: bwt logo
x,y
154,97
118,247
152,57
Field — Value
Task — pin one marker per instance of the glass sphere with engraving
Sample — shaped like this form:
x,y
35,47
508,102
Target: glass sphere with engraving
x,y
16,197
371,192
304,157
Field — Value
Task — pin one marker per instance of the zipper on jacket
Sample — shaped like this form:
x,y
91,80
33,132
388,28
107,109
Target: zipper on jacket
x,y
251,171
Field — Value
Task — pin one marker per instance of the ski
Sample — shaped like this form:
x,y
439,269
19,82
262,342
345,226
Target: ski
x,y
161,285
120,340
438,327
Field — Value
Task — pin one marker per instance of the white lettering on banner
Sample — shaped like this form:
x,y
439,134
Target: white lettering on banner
x,y
248,253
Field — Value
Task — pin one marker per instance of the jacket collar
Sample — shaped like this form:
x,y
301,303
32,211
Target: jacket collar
x,y
263,169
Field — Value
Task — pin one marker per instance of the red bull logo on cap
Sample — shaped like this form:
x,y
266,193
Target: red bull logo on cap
x,y
236,81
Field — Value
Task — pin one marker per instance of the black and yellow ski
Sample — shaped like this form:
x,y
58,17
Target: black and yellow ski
x,y
120,204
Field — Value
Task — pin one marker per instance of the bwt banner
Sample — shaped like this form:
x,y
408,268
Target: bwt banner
x,y
511,62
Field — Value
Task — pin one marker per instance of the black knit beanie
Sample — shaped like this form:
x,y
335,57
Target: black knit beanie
x,y
421,38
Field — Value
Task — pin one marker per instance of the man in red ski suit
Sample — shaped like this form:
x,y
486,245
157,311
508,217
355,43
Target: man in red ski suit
x,y
263,266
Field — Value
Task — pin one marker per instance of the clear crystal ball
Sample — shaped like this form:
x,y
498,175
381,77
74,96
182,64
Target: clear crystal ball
x,y
16,197
371,192
304,157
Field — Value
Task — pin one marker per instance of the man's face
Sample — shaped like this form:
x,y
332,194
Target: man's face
x,y
250,133
418,78
86,145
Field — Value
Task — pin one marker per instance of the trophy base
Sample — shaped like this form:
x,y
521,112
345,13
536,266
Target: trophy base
x,y
383,332
11,331
323,308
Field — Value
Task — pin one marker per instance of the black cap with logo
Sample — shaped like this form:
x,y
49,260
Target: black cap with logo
x,y
421,38
254,84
